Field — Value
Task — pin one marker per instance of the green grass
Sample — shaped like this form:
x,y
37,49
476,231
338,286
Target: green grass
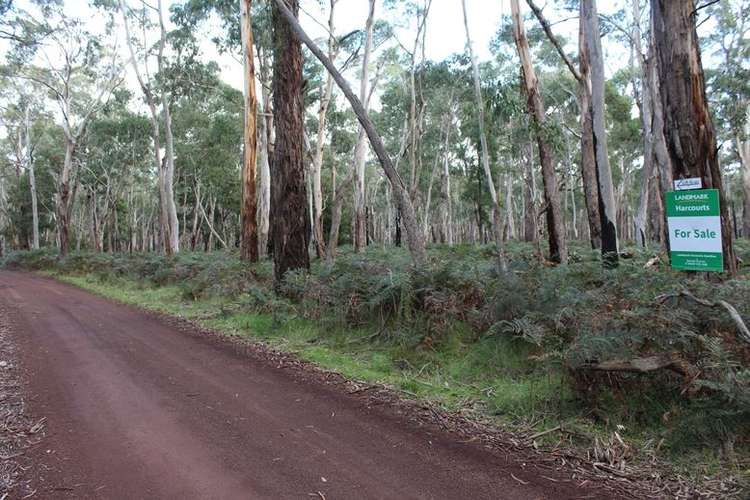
x,y
462,337
494,374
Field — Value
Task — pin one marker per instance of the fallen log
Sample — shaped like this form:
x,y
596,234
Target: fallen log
x,y
647,364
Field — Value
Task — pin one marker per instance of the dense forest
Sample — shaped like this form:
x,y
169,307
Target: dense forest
x,y
504,198
129,139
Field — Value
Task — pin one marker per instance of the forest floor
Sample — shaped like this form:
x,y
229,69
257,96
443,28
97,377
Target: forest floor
x,y
136,407
498,362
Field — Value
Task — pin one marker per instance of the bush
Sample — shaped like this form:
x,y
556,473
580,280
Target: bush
x,y
560,321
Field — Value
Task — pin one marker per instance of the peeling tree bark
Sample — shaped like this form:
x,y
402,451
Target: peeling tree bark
x,y
248,209
264,169
688,128
555,223
530,230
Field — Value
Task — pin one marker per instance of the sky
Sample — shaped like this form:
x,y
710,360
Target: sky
x,y
445,29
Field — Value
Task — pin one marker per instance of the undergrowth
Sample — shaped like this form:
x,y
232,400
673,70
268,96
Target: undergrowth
x,y
519,348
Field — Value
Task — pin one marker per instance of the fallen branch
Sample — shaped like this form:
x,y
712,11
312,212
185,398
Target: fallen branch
x,y
669,361
544,433
735,315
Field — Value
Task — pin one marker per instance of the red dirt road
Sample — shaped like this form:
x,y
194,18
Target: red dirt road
x,y
137,409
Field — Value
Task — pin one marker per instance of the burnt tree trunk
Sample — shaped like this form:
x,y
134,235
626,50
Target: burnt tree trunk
x,y
688,128
289,218
591,56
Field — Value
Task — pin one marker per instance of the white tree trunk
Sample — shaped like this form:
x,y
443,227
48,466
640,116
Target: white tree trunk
x,y
743,147
326,93
360,152
647,173
484,153
607,207
172,238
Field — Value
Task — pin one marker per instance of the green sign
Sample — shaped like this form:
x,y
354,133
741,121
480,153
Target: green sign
x,y
694,219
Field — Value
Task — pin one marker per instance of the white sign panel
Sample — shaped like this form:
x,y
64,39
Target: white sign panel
x,y
685,184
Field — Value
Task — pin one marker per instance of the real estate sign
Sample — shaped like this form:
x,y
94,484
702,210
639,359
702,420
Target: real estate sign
x,y
695,230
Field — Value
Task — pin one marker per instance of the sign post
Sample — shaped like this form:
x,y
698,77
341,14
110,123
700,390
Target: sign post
x,y
694,220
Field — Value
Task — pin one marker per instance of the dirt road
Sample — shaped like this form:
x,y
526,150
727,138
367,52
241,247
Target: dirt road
x,y
137,409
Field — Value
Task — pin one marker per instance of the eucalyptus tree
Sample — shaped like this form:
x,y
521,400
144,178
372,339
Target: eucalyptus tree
x,y
414,235
48,149
139,60
115,165
485,156
207,125
4,209
326,94
729,89
688,126
188,16
289,219
20,111
79,73
555,222
360,153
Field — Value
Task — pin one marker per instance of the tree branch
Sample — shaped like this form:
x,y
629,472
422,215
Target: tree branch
x,y
553,39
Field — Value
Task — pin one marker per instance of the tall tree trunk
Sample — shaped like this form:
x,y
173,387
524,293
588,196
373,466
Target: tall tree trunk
x,y
445,134
360,152
497,229
416,103
264,169
558,247
248,211
196,213
688,129
447,211
64,199
510,224
29,161
644,96
743,148
415,239
167,208
290,223
172,230
326,93
592,53
588,155
530,229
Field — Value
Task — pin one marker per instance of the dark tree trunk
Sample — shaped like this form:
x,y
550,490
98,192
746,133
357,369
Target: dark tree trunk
x,y
289,218
688,128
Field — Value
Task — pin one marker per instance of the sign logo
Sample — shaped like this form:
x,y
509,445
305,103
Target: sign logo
x,y
695,230
686,184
